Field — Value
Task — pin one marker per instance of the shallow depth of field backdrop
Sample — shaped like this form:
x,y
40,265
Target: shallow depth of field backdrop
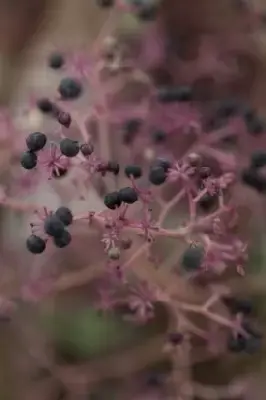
x,y
31,368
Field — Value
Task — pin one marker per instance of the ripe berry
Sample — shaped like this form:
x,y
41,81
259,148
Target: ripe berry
x,y
56,61
113,167
133,170
63,240
64,118
157,176
36,141
192,258
28,160
87,149
252,178
170,94
70,88
105,3
158,136
53,226
258,159
45,105
65,215
112,200
128,195
35,244
69,148
162,162
130,130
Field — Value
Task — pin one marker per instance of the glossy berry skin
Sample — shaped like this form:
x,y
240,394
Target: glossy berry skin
x,y
56,61
87,149
69,148
64,118
133,171
28,160
53,226
36,141
35,244
112,200
251,177
63,240
105,3
174,94
70,88
192,258
45,105
65,215
157,176
113,167
258,159
128,195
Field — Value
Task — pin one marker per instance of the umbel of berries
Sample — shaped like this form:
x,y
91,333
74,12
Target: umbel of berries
x,y
69,148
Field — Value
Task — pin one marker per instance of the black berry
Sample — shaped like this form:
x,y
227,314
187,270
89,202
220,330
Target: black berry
x,y
35,244
70,88
56,61
64,118
69,148
28,160
45,105
130,130
112,200
192,258
158,136
133,170
128,195
63,240
157,176
65,215
36,141
53,226
171,94
252,178
258,159
113,167
163,163
86,149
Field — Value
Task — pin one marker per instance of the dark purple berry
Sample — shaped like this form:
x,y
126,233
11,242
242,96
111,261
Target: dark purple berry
x,y
159,136
53,226
65,215
36,141
64,118
35,244
63,240
45,105
128,195
56,61
192,258
133,171
28,160
258,159
252,178
157,176
87,149
70,88
113,167
69,148
162,162
112,200
171,94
